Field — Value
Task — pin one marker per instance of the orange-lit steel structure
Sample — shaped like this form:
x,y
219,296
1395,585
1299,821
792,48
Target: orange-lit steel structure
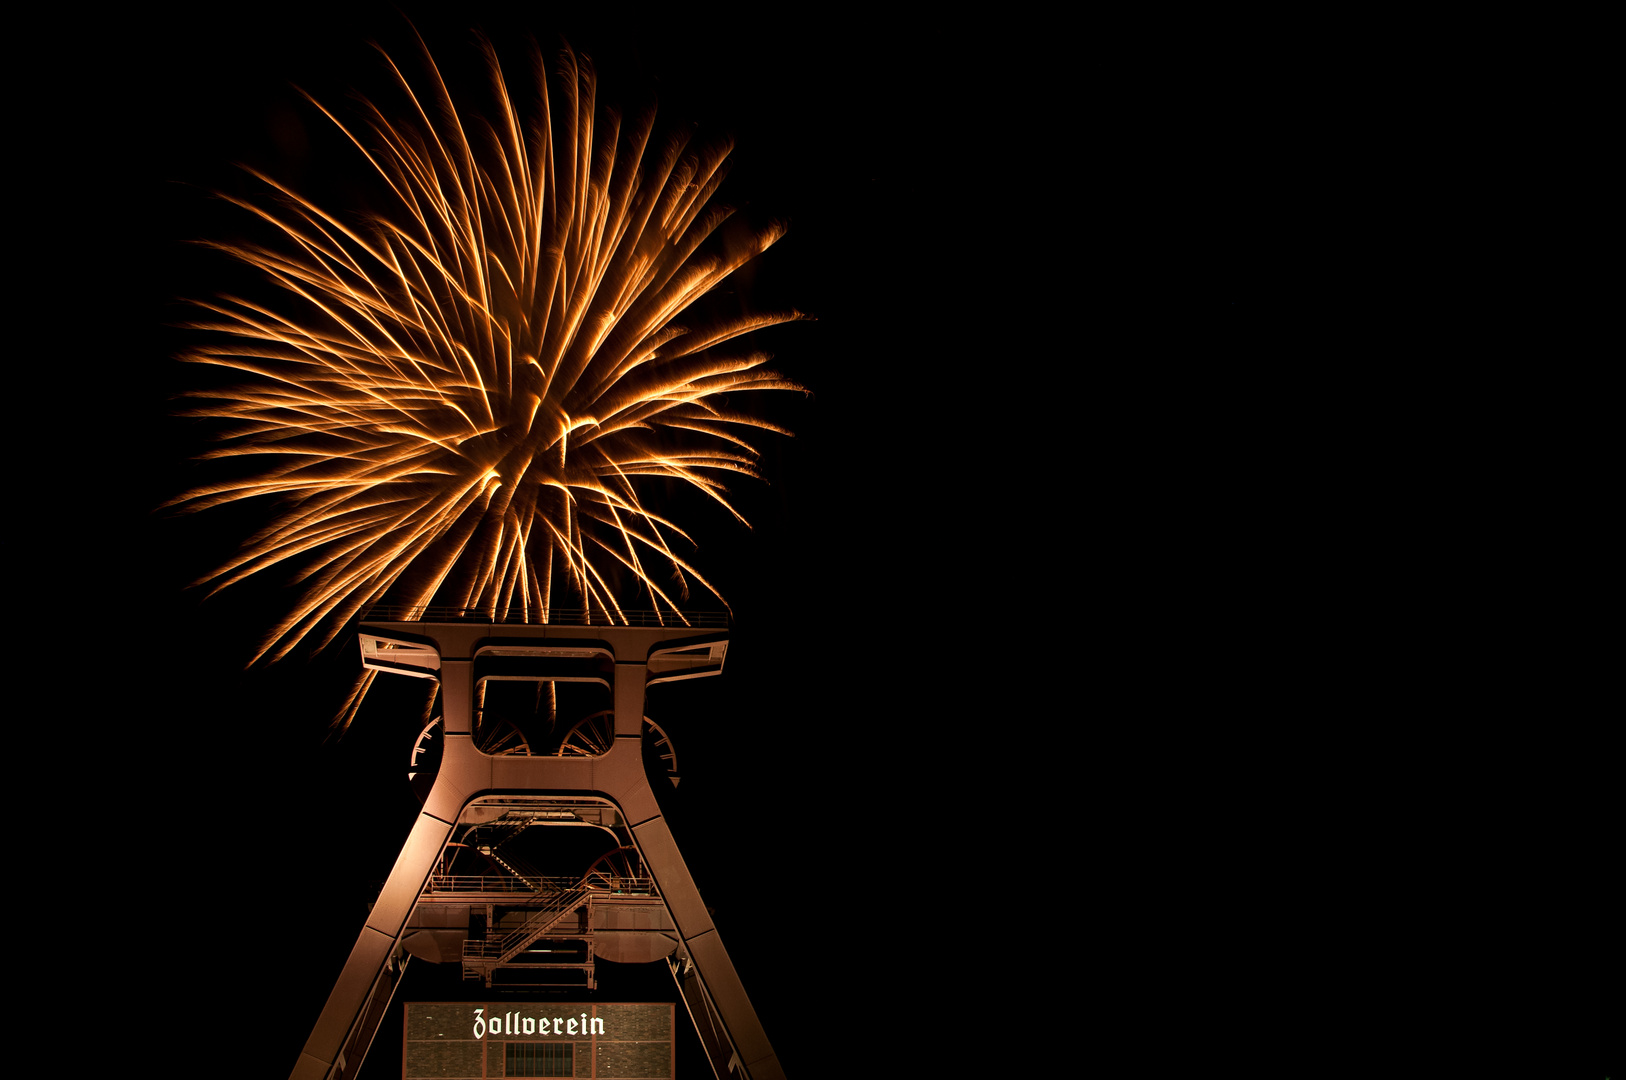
x,y
654,912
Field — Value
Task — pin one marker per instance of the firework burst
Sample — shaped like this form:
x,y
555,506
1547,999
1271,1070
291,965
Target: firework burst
x,y
460,400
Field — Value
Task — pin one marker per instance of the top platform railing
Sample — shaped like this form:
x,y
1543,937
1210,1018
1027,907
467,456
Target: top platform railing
x,y
441,884
708,620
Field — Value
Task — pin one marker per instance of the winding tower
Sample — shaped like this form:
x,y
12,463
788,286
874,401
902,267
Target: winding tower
x,y
510,926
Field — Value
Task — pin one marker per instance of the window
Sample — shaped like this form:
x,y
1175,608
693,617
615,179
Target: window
x,y
538,1059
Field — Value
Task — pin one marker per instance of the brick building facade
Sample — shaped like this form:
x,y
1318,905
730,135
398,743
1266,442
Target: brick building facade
x,y
473,1040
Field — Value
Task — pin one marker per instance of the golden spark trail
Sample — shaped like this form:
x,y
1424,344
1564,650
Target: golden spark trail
x,y
456,400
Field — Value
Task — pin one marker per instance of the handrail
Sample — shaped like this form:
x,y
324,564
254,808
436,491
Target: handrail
x,y
493,883
506,947
505,884
559,904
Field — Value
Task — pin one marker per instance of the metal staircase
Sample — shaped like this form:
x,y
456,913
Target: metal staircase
x,y
503,950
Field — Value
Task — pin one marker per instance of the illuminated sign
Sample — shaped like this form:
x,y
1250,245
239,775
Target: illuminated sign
x,y
478,1040
513,1023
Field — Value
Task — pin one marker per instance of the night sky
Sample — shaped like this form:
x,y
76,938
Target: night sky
x,y
797,754
1004,713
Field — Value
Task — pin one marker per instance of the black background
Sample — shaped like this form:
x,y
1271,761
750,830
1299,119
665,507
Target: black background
x,y
802,763
1079,639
